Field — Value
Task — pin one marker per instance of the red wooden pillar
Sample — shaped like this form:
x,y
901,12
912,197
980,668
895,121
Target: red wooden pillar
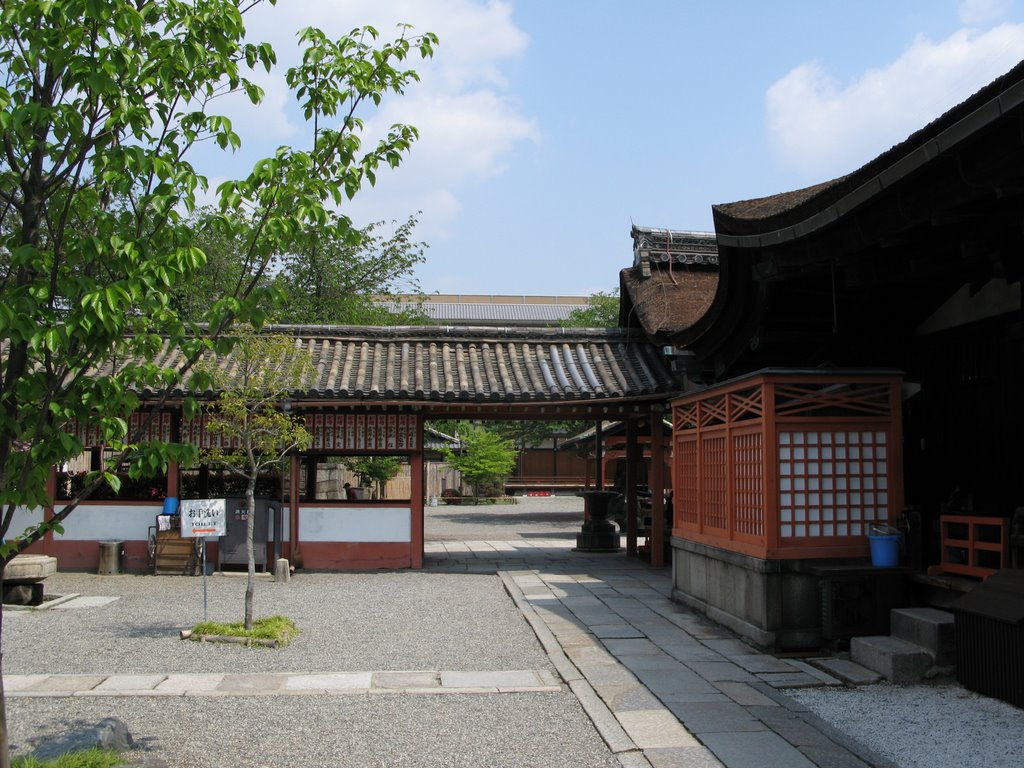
x,y
631,477
293,504
416,500
657,483
172,479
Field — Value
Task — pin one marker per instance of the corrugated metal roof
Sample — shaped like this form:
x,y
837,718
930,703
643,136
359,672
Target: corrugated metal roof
x,y
465,364
472,312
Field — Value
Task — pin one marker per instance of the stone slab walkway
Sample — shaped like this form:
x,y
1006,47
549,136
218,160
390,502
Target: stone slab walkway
x,y
390,682
664,686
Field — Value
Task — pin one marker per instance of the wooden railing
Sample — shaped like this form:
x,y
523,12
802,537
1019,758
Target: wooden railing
x,y
973,546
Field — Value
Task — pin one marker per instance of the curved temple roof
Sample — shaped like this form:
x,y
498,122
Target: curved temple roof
x,y
471,365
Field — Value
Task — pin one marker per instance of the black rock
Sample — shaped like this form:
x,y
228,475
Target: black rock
x,y
109,733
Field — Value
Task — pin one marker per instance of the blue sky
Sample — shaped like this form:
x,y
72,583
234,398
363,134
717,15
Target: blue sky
x,y
549,126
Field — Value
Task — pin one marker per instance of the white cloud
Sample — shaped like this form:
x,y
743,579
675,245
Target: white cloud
x,y
469,126
822,128
981,12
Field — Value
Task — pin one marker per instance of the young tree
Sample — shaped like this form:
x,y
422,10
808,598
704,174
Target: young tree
x,y
602,312
101,103
374,469
256,433
485,456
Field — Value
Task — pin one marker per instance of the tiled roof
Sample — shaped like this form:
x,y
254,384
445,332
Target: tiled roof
x,y
433,364
656,246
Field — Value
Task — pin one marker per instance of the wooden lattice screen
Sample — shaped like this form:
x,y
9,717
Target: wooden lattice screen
x,y
785,465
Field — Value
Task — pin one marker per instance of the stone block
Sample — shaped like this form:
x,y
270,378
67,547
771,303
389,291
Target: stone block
x,y
930,628
896,660
29,568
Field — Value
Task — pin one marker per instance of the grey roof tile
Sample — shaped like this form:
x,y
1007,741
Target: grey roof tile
x,y
515,365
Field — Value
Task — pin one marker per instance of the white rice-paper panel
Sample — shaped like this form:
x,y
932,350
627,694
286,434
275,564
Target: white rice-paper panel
x,y
366,524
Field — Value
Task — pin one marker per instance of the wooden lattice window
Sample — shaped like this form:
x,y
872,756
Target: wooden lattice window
x,y
748,483
714,482
832,483
686,497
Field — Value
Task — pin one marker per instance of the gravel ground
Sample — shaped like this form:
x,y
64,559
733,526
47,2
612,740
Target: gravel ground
x,y
429,731
923,726
349,622
532,517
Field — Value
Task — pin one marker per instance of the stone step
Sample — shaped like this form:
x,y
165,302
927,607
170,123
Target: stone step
x,y
848,671
896,660
929,628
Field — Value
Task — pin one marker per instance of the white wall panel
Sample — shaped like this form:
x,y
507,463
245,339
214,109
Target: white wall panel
x,y
118,522
362,524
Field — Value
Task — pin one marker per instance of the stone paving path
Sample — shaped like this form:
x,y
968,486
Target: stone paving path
x,y
664,687
283,684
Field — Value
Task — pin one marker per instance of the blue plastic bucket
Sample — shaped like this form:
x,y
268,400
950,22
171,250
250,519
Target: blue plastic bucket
x,y
171,505
885,550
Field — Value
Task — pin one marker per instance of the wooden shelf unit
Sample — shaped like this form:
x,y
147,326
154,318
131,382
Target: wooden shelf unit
x,y
974,546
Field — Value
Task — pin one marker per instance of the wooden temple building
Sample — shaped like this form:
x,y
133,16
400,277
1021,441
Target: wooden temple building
x,y
855,358
831,359
371,392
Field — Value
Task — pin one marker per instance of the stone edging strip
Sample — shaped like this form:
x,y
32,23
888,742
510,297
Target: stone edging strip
x,y
284,684
603,718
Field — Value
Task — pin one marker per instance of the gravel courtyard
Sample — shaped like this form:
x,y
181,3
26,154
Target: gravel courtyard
x,y
349,622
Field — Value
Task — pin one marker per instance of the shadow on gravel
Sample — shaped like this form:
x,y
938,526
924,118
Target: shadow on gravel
x,y
151,631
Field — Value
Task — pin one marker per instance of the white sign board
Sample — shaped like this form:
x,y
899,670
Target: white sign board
x,y
203,517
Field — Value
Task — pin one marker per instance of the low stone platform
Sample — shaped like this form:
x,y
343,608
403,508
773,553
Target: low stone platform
x,y
23,578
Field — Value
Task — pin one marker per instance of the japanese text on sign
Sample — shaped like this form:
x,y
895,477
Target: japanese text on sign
x,y
203,517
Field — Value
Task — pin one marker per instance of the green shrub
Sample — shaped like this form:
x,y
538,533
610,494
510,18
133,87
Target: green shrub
x,y
89,758
279,628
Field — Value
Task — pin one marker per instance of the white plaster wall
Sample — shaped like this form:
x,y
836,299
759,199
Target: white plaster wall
x,y
101,522
96,521
363,524
24,518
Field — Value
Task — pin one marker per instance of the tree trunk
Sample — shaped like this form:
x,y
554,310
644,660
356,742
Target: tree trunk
x,y
250,584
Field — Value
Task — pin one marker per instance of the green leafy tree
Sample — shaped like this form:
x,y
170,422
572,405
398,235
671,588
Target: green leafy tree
x,y
329,276
485,457
522,434
374,469
602,311
335,280
256,434
101,104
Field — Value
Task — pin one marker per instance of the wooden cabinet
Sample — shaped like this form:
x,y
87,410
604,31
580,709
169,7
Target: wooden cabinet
x,y
174,555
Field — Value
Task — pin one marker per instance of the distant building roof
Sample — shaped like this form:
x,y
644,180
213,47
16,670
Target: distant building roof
x,y
444,309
